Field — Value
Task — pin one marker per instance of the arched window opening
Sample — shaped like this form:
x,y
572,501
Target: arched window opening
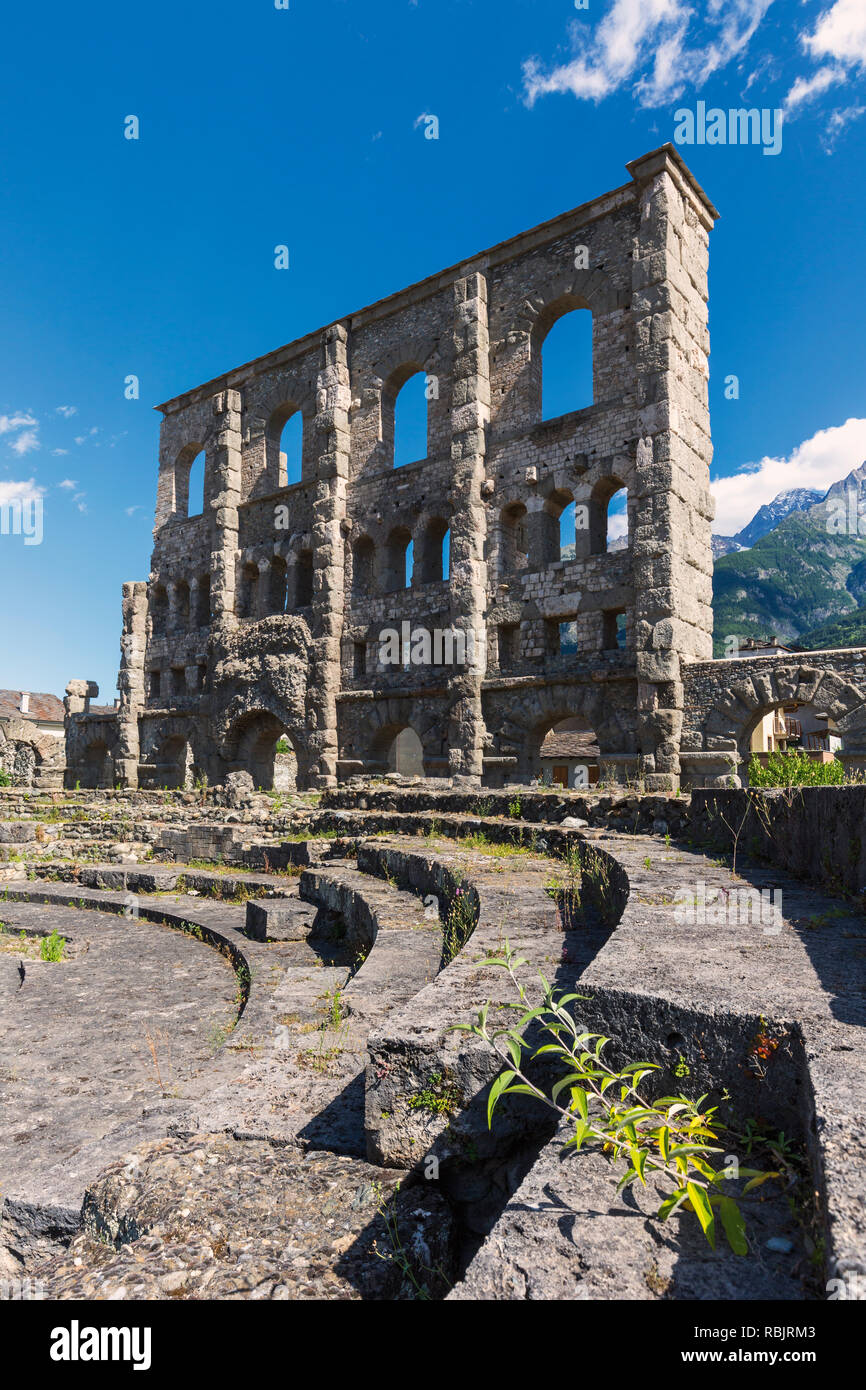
x,y
248,591
304,579
566,365
363,560
410,420
514,543
398,561
400,750
290,450
158,610
203,602
435,565
616,532
567,536
181,603
195,487
277,585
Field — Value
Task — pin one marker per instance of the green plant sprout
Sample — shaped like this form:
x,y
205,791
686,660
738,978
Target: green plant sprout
x,y
671,1137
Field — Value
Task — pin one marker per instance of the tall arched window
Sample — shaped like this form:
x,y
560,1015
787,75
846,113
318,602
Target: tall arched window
x,y
562,356
291,444
405,415
195,492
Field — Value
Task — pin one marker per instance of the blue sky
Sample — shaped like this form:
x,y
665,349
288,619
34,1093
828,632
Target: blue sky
x,y
261,126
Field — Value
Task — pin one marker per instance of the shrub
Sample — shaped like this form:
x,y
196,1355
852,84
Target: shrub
x,y
795,769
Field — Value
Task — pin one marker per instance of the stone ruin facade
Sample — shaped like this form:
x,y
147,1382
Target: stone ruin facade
x,y
260,625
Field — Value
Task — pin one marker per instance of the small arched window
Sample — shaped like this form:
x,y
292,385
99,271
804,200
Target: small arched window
x,y
181,603
248,591
304,579
398,561
363,560
277,585
513,541
203,601
159,609
435,557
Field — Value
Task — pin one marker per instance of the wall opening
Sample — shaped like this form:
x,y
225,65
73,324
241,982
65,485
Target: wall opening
x,y
566,365
304,579
278,585
363,567
248,591
398,561
410,421
195,487
513,540
567,754
290,450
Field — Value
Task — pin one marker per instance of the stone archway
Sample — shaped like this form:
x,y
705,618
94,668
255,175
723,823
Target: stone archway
x,y
263,746
30,757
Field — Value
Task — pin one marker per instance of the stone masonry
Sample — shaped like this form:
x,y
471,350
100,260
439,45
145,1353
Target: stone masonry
x,y
262,617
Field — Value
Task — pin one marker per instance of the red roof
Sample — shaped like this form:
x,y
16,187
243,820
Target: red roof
x,y
42,706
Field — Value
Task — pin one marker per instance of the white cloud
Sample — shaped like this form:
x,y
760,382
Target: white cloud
x,y
806,89
817,463
840,33
22,492
130,511
9,423
614,53
83,438
67,411
837,123
58,453
25,442
68,482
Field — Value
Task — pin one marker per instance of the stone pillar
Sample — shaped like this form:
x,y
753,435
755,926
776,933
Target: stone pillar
x,y
130,682
333,398
673,509
470,414
225,466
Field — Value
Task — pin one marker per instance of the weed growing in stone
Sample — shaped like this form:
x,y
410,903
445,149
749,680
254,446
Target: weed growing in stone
x,y
459,922
671,1138
53,947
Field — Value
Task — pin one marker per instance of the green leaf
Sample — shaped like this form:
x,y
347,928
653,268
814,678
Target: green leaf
x,y
496,1090
664,1142
629,1177
734,1225
703,1211
758,1181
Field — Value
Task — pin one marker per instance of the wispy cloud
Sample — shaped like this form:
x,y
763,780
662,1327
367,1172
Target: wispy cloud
x,y
650,46
10,423
58,453
816,463
67,411
25,442
839,36
68,483
83,438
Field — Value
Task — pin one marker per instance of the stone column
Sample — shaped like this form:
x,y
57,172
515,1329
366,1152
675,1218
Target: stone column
x,y
130,682
225,470
333,398
673,508
470,414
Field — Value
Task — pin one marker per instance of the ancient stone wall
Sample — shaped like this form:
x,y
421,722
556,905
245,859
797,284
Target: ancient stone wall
x,y
262,618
